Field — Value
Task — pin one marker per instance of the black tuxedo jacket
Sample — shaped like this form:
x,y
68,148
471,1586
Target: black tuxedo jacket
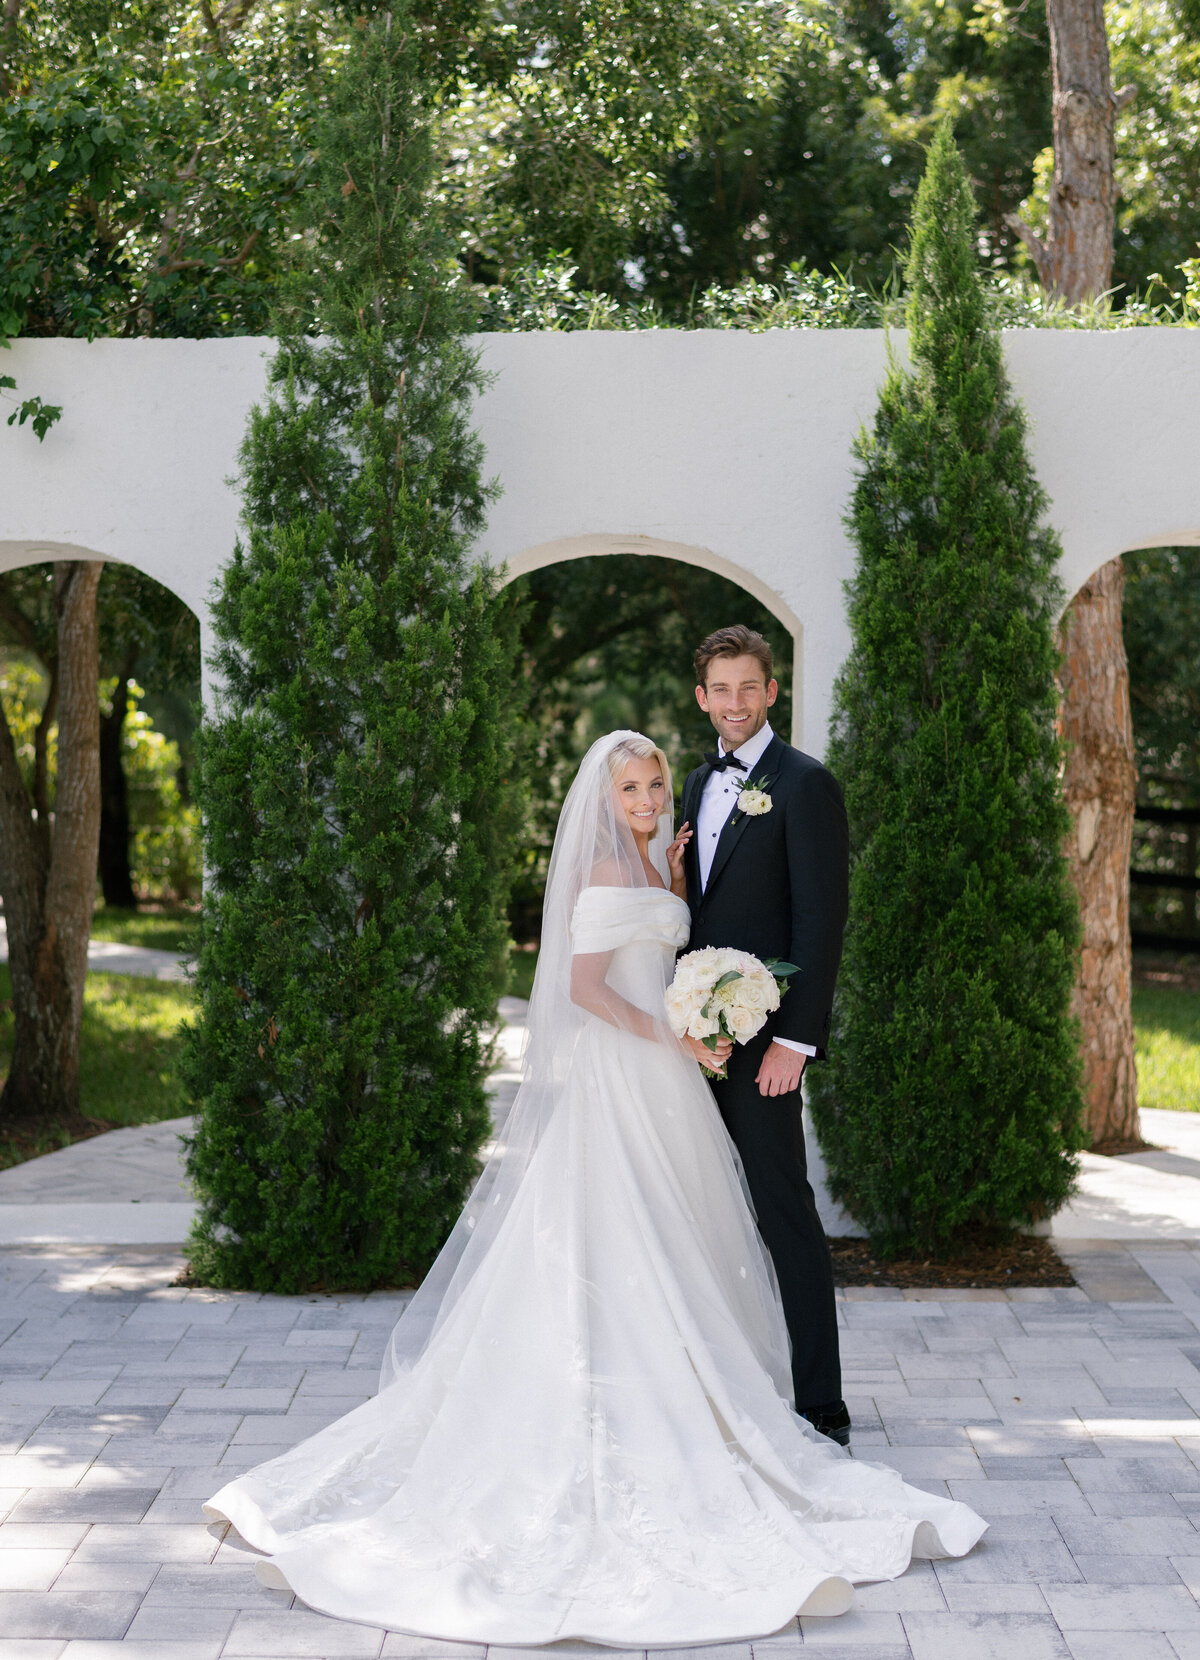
x,y
779,882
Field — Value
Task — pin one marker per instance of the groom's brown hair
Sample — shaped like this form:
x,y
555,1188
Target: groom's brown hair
x,y
737,641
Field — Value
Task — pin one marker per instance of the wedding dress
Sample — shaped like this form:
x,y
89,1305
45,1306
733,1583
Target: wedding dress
x,y
584,1426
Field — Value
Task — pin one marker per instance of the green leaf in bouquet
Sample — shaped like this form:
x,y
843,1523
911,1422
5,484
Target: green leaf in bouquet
x,y
733,974
780,970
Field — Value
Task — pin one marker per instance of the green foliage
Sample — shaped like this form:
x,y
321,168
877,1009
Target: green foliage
x,y
153,158
951,1096
40,414
558,121
1161,623
144,630
22,700
354,777
1155,46
166,840
149,157
820,161
165,856
548,297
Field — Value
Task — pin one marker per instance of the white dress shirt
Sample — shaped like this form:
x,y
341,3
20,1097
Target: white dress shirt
x,y
716,804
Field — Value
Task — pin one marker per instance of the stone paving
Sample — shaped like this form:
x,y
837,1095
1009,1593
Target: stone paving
x,y
1070,1419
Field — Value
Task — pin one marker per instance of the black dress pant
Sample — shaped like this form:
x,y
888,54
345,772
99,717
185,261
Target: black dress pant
x,y
769,1135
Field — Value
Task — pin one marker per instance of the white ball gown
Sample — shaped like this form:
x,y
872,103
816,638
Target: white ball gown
x,y
584,1428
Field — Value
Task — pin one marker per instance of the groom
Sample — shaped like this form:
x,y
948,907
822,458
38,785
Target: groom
x,y
774,882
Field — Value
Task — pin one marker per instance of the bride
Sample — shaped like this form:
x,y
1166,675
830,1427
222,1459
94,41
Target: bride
x,y
584,1427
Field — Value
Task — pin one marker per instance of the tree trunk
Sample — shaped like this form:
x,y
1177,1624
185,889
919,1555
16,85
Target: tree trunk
x,y
1099,784
49,882
116,878
1075,263
1075,260
9,15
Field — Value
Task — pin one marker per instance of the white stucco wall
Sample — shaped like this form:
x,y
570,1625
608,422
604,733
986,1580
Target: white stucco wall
x,y
729,450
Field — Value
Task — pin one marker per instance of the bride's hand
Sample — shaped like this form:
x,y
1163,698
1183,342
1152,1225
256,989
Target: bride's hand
x,y
713,1059
675,861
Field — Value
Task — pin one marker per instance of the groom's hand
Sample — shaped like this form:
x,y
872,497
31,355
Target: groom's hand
x,y
781,1070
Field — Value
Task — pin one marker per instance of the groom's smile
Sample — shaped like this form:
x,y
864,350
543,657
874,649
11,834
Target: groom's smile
x,y
736,698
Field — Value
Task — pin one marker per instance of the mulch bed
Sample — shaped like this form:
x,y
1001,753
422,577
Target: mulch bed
x,y
48,1135
1115,1146
986,1265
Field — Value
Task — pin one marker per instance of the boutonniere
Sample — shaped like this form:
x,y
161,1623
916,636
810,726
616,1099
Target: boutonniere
x,y
754,799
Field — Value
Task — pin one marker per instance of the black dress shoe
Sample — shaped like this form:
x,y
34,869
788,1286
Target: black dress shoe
x,y
832,1419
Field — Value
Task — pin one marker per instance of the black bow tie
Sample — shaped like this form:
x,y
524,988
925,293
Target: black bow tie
x,y
719,763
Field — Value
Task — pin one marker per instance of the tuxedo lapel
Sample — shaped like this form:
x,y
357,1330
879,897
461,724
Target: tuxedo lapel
x,y
689,808
735,825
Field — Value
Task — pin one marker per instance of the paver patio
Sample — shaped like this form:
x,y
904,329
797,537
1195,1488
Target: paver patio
x,y
1068,1418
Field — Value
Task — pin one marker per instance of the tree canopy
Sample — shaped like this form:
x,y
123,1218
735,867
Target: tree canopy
x,y
153,155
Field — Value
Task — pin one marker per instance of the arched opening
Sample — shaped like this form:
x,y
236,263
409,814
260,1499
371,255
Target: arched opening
x,y
150,640
607,636
1140,613
602,544
147,878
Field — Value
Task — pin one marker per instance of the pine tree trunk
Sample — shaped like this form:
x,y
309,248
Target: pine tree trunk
x,y
1075,263
1075,260
49,882
1099,784
116,878
1083,193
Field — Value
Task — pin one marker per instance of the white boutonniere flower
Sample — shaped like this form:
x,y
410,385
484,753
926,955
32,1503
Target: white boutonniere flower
x,y
754,799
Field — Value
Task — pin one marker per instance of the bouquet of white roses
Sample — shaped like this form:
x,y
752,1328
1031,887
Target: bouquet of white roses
x,y
722,992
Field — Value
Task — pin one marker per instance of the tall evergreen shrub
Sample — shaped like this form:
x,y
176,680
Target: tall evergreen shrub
x,y
951,1096
353,772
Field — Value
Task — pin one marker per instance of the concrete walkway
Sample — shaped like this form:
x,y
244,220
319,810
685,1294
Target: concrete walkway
x,y
106,957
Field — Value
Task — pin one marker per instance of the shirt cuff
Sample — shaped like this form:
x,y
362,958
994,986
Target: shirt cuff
x,y
802,1048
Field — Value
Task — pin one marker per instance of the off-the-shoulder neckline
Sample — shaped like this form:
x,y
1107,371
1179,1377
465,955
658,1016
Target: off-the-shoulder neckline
x,y
602,887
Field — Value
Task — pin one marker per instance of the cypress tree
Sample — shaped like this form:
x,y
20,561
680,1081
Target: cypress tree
x,y
951,1101
353,770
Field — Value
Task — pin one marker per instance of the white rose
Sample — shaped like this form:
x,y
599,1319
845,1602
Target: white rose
x,y
752,994
702,1026
754,802
745,1023
683,1003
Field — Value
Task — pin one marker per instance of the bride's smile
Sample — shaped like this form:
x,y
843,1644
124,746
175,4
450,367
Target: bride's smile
x,y
642,792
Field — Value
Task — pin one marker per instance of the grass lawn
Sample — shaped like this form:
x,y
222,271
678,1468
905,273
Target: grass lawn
x,y
521,965
1166,1022
130,1043
131,1037
168,929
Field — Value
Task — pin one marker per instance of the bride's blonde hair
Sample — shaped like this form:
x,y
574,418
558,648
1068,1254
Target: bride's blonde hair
x,y
637,748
